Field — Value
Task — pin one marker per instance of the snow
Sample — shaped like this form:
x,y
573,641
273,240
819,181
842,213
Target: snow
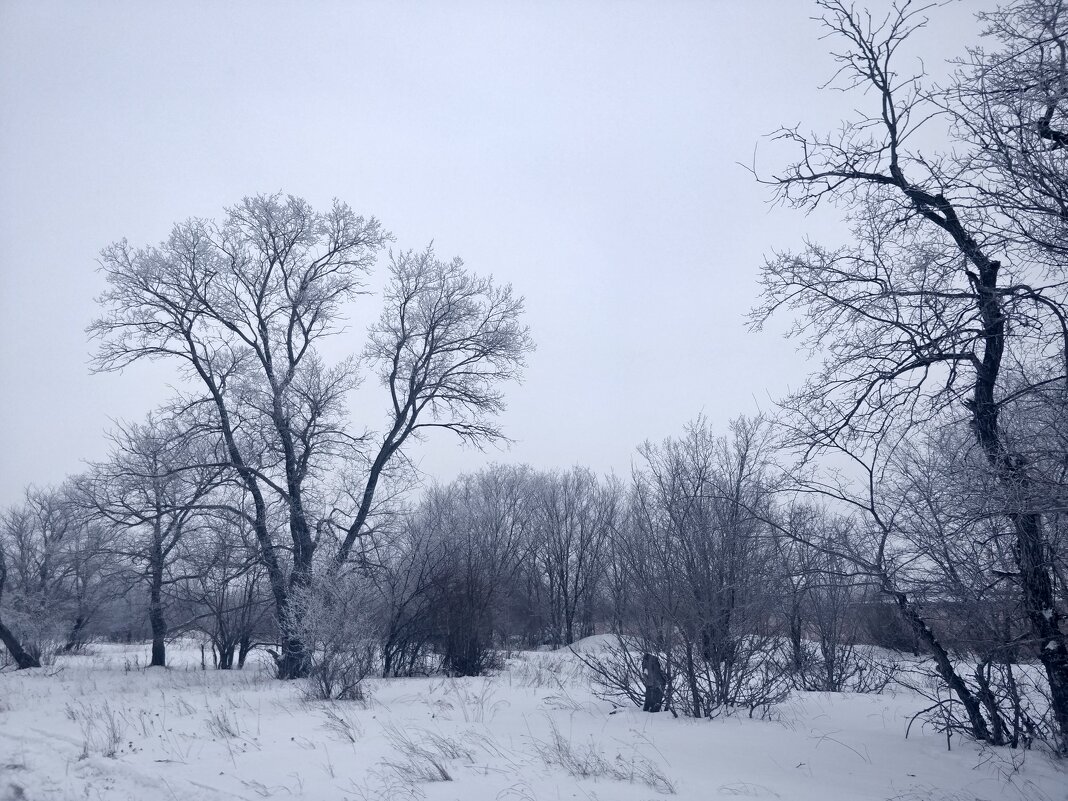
x,y
102,727
591,644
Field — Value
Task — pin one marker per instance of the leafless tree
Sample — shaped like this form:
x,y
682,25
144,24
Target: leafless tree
x,y
53,571
89,576
46,523
152,490
870,544
574,518
481,524
1008,107
796,576
242,305
409,562
697,558
446,342
220,583
940,293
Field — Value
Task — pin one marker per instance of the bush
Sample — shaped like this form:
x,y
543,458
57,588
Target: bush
x,y
334,621
753,680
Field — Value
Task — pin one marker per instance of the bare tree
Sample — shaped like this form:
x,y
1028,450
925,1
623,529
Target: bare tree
x,y
869,543
89,577
445,343
696,560
1008,106
220,583
796,576
52,572
152,489
408,562
924,313
481,524
242,305
49,522
574,518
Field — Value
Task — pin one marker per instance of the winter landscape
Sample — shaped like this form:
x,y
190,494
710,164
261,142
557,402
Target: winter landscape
x,y
683,482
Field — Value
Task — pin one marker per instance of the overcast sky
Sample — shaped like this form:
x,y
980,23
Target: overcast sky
x,y
586,152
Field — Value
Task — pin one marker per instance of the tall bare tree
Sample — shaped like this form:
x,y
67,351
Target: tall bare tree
x,y
244,304
944,288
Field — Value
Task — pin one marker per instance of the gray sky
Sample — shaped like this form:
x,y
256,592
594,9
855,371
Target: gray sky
x,y
586,152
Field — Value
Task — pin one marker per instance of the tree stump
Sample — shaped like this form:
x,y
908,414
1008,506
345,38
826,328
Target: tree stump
x,y
654,680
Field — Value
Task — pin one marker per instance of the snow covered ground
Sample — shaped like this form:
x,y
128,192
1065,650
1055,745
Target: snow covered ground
x,y
102,727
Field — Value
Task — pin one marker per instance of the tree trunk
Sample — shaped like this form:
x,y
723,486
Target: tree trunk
x,y
796,653
226,656
1043,617
156,619
944,666
1012,473
989,701
75,634
653,679
691,680
295,661
23,659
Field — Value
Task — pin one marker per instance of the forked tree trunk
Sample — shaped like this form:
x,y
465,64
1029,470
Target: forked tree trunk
x,y
225,656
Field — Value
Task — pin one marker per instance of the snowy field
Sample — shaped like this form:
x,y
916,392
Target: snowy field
x,y
102,727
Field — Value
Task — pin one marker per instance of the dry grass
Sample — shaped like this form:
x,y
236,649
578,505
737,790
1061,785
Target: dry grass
x,y
590,762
